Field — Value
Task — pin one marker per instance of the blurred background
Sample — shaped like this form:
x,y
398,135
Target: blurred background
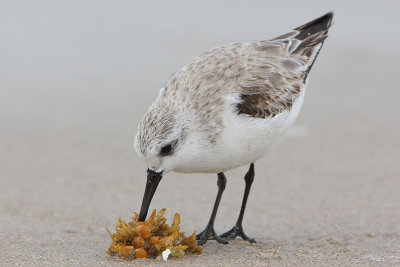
x,y
76,77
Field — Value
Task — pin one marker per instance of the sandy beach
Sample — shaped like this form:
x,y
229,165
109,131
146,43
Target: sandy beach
x,y
76,79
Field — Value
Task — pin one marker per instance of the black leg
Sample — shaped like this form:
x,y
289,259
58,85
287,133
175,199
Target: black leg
x,y
237,230
209,232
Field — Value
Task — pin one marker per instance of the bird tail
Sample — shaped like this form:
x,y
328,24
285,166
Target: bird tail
x,y
312,36
317,28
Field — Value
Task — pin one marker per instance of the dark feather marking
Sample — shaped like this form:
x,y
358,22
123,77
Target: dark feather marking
x,y
262,105
311,34
318,25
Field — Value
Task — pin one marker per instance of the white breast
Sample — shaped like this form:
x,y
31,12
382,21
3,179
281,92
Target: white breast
x,y
244,140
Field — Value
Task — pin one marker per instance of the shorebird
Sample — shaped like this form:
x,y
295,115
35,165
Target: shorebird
x,y
226,109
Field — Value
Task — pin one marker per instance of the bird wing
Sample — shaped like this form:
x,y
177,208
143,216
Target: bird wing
x,y
276,70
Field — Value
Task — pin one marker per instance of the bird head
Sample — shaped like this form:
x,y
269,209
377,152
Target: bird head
x,y
165,143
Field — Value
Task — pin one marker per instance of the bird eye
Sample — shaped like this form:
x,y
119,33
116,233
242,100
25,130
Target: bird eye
x,y
166,150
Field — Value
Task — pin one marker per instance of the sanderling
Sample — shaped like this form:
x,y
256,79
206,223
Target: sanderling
x,y
225,109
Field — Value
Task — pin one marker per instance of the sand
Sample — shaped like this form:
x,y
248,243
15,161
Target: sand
x,y
327,195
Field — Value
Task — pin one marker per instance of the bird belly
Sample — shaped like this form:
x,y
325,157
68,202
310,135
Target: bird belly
x,y
246,139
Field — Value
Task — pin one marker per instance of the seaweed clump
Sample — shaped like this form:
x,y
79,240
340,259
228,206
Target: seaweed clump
x,y
150,238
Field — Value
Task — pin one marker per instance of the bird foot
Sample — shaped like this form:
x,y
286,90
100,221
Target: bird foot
x,y
209,234
236,231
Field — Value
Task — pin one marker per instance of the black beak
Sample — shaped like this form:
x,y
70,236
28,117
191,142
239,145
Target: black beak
x,y
153,178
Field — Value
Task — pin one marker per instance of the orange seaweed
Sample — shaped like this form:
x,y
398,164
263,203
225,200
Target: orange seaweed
x,y
150,238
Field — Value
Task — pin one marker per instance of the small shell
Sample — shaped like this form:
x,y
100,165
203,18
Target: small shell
x,y
165,254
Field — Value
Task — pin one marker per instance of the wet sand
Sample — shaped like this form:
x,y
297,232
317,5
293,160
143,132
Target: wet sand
x,y
327,195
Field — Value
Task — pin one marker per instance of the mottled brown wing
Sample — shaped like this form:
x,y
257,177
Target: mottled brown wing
x,y
262,105
278,69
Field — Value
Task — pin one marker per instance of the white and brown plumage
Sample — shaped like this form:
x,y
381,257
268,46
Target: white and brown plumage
x,y
228,106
